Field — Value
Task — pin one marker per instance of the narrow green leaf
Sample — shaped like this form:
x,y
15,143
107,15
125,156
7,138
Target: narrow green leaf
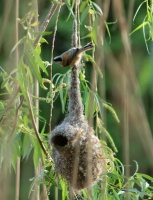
x,y
37,153
38,59
110,108
139,27
97,8
104,131
138,9
144,34
64,189
84,14
145,176
33,65
69,7
42,33
83,6
137,167
17,44
5,82
22,79
109,34
43,40
38,49
86,100
27,146
115,195
98,101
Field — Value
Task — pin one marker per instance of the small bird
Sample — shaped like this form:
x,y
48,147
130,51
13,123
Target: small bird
x,y
72,56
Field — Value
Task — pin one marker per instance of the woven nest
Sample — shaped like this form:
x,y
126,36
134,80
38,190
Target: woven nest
x,y
77,154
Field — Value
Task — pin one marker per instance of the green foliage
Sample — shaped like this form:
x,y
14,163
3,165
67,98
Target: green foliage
x,y
20,135
146,25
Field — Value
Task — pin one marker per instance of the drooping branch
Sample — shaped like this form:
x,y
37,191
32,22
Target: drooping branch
x,y
46,22
35,129
42,29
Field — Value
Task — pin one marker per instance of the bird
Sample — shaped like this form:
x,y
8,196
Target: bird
x,y
72,56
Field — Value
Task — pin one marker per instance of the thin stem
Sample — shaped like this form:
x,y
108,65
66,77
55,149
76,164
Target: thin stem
x,y
51,61
126,132
100,61
51,89
46,22
130,14
35,129
16,32
36,102
17,192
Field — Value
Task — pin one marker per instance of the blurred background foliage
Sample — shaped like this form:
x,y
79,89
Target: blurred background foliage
x,y
110,87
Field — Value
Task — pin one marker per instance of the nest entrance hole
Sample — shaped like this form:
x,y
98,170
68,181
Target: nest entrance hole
x,y
59,140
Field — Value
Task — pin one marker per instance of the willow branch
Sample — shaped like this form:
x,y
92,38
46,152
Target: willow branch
x,y
46,22
35,129
42,29
17,189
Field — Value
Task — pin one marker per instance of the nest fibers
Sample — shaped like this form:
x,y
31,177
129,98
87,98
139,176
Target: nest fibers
x,y
77,152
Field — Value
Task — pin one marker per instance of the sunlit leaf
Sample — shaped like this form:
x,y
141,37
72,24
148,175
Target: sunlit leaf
x,y
34,24
139,27
97,8
43,40
17,44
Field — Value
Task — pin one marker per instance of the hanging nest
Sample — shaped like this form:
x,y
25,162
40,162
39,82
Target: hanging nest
x,y
77,152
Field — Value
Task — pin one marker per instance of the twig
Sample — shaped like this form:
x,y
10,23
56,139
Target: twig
x,y
36,194
17,179
35,129
17,190
51,89
45,23
130,13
